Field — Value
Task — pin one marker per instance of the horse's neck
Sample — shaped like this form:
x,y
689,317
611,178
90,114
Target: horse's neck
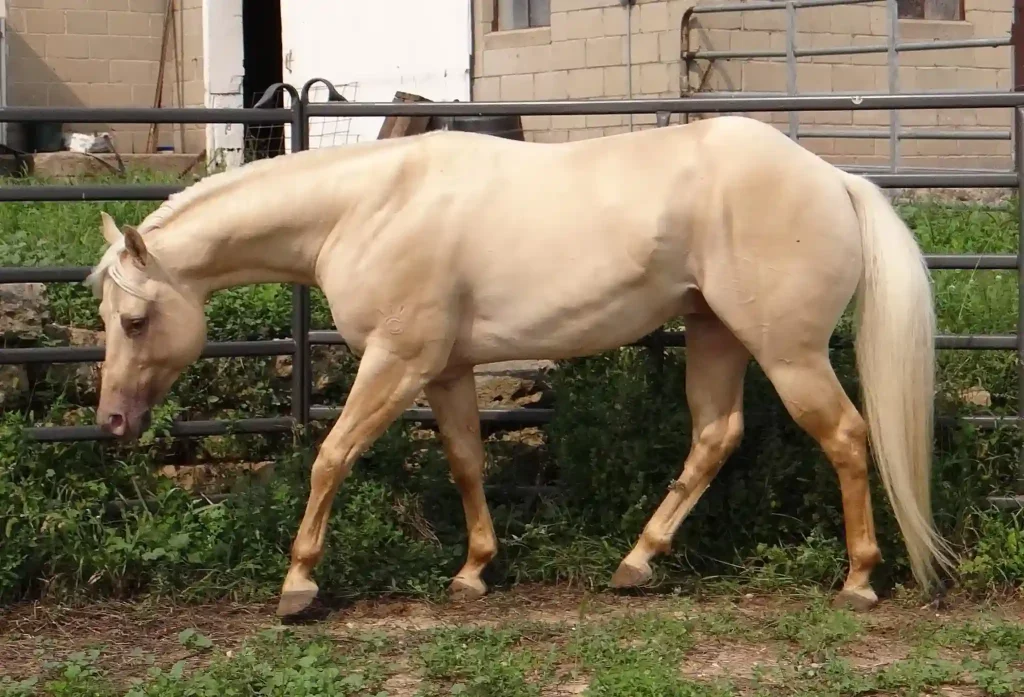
x,y
265,227
249,249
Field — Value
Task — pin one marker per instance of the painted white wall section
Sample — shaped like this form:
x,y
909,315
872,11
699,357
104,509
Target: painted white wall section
x,y
223,60
370,49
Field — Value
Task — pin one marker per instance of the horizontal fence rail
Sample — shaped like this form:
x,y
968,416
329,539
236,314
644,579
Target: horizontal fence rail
x,y
303,337
892,47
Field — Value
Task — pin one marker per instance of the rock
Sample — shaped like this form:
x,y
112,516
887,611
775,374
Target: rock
x,y
978,396
13,385
216,477
282,367
78,379
513,384
508,385
23,313
332,367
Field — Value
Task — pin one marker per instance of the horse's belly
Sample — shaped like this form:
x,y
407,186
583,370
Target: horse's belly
x,y
539,325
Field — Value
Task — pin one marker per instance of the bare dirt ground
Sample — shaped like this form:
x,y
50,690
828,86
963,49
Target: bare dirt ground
x,y
32,634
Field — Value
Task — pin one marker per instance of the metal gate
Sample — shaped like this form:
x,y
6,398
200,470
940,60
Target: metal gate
x,y
691,58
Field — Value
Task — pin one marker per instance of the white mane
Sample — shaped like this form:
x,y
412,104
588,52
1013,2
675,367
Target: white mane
x,y
110,262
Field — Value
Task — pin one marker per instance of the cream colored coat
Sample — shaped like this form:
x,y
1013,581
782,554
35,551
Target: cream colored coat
x,y
443,251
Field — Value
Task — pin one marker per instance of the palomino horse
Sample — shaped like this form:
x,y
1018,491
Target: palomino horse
x,y
447,250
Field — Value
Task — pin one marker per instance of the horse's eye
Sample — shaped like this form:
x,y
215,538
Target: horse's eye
x,y
133,326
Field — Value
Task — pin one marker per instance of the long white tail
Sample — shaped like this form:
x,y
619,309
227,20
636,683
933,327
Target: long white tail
x,y
896,360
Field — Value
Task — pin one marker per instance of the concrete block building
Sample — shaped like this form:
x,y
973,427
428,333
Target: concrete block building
x,y
599,49
107,53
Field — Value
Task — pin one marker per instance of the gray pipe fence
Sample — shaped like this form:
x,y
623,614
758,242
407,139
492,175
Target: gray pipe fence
x,y
893,47
298,346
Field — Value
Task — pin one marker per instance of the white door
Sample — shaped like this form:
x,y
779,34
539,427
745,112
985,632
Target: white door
x,y
373,48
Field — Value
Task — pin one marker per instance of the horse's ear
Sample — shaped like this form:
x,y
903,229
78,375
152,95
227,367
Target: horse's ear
x,y
135,246
110,232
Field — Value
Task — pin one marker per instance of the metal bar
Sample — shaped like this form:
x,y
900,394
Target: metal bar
x,y
521,416
742,94
332,338
880,169
996,180
1018,122
25,194
190,429
954,43
977,342
95,354
1007,502
794,117
904,135
74,274
753,6
1017,67
986,422
144,115
826,102
894,77
855,50
302,367
43,274
285,347
114,192
971,262
515,417
675,338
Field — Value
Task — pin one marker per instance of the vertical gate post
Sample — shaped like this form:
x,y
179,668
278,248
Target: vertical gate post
x,y
1017,40
302,363
1018,140
302,381
791,82
301,366
893,58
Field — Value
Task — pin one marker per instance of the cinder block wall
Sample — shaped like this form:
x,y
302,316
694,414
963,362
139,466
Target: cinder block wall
x,y
106,53
583,54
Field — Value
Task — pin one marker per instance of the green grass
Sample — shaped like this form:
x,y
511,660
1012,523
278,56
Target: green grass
x,y
772,519
676,647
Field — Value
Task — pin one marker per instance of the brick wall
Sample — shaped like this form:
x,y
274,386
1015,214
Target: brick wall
x,y
582,54
105,53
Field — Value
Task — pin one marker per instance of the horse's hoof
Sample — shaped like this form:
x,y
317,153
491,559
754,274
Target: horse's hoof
x,y
294,602
856,599
465,589
629,576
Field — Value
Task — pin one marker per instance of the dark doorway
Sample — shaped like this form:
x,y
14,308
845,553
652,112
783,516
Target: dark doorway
x,y
262,62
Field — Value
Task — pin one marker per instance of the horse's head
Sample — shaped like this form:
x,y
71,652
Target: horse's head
x,y
155,328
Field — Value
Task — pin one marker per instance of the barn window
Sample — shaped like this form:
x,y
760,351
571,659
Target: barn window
x,y
949,10
522,14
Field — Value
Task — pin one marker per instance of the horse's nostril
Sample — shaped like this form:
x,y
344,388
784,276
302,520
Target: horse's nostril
x,y
146,420
115,424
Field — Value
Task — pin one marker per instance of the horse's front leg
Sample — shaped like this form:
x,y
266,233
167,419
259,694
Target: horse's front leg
x,y
453,400
384,387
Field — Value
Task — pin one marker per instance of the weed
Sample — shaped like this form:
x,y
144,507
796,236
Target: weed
x,y
816,629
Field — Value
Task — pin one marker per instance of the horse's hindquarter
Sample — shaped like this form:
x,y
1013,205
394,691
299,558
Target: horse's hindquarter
x,y
568,250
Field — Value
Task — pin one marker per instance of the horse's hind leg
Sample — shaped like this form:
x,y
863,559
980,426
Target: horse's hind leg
x,y
715,367
816,400
458,419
